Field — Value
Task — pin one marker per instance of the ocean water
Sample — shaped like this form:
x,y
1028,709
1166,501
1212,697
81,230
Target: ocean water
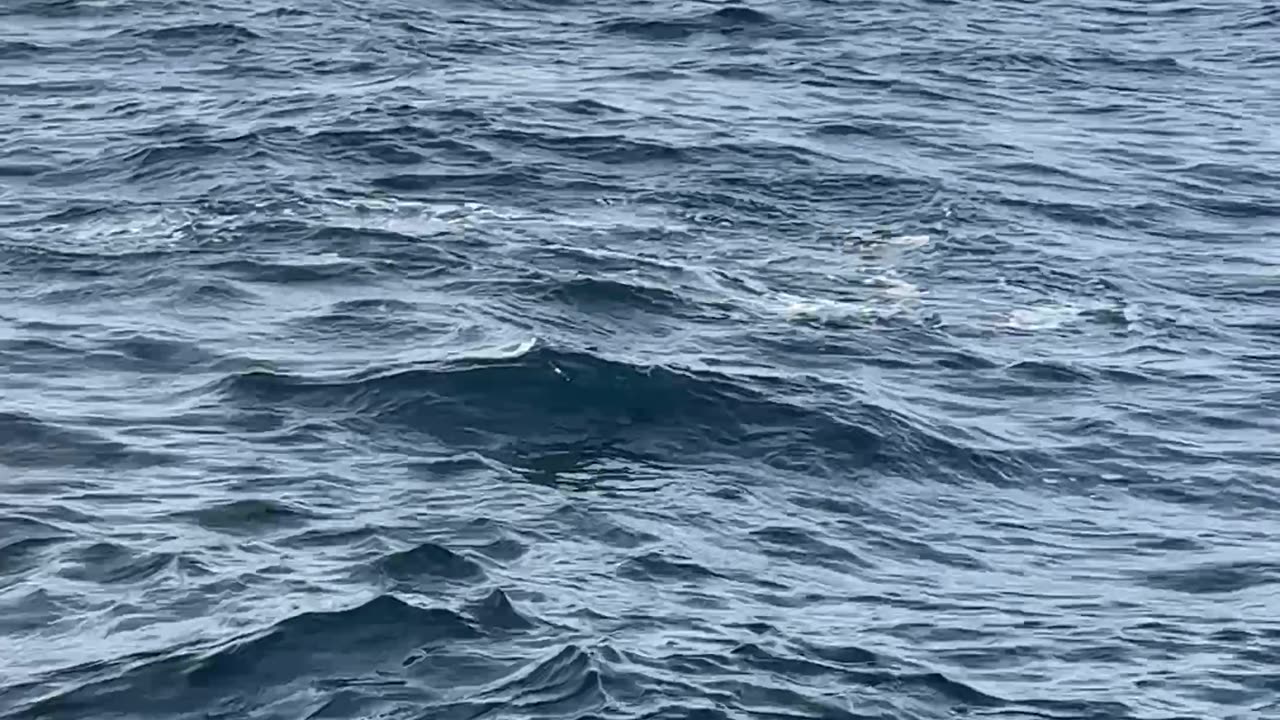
x,y
476,359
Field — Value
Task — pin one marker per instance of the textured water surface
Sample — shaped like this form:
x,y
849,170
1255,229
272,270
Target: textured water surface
x,y
548,358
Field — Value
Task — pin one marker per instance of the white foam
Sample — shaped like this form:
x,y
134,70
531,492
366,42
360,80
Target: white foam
x,y
1042,317
823,310
895,288
878,240
138,230
327,259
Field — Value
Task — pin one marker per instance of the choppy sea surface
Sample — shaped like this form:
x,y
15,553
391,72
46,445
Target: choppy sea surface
x,y
547,358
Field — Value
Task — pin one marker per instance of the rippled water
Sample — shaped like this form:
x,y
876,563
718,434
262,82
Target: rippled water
x,y
542,358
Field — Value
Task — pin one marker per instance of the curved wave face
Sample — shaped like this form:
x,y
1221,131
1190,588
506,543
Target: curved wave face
x,y
676,359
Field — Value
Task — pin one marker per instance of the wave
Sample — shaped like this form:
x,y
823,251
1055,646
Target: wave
x,y
89,347
655,567
346,233
801,677
608,156
25,545
381,635
295,269
607,149
140,352
1266,17
199,34
21,50
1047,376
20,529
1215,578
549,397
108,563
165,154
537,409
381,644
567,683
27,441
729,20
590,107
251,516
358,320
58,9
608,295
495,611
425,183
430,561
602,529
396,145
801,545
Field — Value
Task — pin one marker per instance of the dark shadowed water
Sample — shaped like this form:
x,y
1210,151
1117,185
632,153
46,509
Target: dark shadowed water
x,y
460,359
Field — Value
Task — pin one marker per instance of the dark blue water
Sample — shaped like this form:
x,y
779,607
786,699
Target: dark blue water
x,y
546,358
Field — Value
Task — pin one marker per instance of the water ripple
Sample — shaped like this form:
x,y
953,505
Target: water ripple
x,y
677,359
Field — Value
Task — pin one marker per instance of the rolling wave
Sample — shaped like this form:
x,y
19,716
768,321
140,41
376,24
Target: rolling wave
x,y
571,397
